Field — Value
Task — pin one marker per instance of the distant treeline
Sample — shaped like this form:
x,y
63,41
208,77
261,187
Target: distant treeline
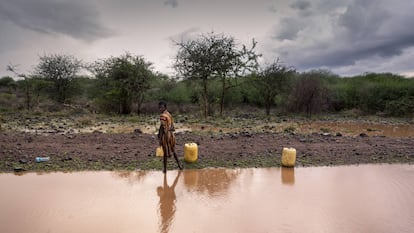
x,y
214,74
307,93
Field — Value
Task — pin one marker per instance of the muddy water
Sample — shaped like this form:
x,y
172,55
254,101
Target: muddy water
x,y
368,198
356,128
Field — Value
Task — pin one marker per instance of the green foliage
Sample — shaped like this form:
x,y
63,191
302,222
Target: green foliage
x,y
274,80
310,93
8,102
376,93
122,82
7,82
213,56
171,90
61,69
404,106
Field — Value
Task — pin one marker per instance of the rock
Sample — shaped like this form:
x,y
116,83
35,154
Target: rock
x,y
138,131
67,159
338,134
363,135
18,169
23,161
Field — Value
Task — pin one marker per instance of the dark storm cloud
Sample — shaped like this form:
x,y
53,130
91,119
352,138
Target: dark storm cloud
x,y
386,31
354,32
72,18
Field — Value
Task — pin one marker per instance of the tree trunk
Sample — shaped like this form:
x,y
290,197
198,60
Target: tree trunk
x,y
267,103
223,92
205,97
28,96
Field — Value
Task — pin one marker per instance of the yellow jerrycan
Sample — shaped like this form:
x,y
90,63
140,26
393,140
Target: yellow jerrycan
x,y
159,152
288,157
190,152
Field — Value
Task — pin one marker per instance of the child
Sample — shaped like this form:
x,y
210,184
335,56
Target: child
x,y
166,135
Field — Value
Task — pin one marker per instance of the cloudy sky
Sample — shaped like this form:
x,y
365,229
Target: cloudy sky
x,y
347,37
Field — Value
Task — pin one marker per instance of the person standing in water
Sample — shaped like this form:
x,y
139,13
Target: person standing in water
x,y
166,135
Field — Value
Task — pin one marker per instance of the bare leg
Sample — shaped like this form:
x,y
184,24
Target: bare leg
x,y
180,166
165,149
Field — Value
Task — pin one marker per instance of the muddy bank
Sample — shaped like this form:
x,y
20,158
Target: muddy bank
x,y
131,151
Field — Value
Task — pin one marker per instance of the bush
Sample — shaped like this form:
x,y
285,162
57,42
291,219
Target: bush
x,y
401,107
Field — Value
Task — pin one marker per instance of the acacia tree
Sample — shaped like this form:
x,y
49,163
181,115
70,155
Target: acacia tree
x,y
123,81
273,81
60,69
310,94
212,56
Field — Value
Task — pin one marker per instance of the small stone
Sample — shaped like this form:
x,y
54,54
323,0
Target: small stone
x,y
23,161
18,169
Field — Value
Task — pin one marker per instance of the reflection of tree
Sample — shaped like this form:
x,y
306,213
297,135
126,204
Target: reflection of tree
x,y
211,181
167,203
130,176
288,175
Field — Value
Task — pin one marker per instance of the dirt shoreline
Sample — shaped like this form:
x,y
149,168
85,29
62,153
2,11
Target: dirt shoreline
x,y
132,151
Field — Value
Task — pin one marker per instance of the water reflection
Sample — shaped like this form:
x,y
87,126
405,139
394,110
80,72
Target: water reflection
x,y
191,178
213,182
166,203
288,175
131,177
365,198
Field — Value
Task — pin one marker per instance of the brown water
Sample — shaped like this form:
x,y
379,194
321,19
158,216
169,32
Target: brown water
x,y
355,128
368,198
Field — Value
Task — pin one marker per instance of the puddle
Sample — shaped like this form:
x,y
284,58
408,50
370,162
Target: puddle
x,y
356,128
367,198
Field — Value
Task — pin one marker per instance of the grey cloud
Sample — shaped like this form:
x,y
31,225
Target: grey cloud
x,y
363,31
289,28
72,18
272,9
300,5
363,20
172,3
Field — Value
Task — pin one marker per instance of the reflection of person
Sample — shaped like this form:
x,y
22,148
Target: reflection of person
x,y
166,135
167,203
